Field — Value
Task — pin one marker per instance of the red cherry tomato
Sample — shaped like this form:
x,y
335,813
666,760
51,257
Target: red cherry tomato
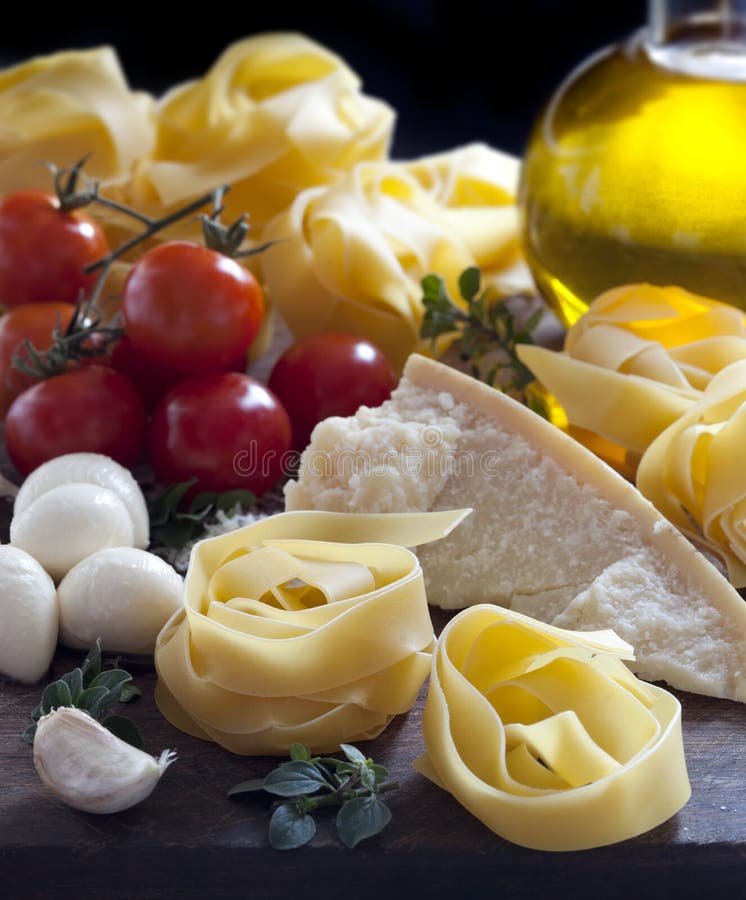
x,y
225,429
35,322
329,374
151,379
191,309
92,408
43,251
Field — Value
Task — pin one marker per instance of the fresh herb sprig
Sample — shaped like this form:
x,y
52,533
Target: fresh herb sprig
x,y
307,783
488,329
94,690
175,519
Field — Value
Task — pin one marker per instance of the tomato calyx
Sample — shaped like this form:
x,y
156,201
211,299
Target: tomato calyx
x,y
84,338
228,239
66,185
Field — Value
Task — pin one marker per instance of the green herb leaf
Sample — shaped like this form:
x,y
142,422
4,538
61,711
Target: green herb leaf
x,y
353,754
246,787
314,782
361,818
290,828
175,520
300,751
92,689
129,692
125,729
295,778
55,695
113,680
91,665
488,328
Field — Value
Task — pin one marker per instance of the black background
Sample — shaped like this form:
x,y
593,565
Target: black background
x,y
455,70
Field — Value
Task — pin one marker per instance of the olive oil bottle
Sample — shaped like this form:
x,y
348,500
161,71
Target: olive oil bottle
x,y
636,170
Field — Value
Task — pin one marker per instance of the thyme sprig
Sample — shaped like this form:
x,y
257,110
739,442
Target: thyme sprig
x,y
93,689
307,783
488,329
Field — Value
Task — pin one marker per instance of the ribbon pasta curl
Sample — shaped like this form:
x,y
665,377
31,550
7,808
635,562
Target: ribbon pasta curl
x,y
638,359
693,472
546,736
302,627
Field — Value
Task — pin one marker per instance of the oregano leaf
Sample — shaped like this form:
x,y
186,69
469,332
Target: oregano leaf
x,y
125,729
361,818
295,778
289,828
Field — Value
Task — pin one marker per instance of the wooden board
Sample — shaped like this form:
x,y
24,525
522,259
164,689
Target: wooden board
x,y
189,840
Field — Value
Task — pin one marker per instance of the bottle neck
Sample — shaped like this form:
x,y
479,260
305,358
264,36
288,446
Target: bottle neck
x,y
704,38
725,19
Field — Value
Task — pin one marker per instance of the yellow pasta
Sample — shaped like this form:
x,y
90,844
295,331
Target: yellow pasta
x,y
694,474
638,359
304,627
546,736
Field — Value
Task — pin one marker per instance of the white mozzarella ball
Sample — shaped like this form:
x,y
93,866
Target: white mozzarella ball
x,y
122,595
28,616
88,468
68,523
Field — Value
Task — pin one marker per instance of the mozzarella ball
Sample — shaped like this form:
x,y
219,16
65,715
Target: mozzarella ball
x,y
122,595
88,468
28,616
68,523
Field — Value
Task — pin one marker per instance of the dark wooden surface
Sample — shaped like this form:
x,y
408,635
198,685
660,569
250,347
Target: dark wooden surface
x,y
188,840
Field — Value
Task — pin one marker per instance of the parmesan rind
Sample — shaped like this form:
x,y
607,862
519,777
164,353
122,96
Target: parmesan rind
x,y
555,532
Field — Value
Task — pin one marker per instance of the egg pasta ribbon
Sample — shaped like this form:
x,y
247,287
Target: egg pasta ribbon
x,y
308,627
693,472
546,736
638,359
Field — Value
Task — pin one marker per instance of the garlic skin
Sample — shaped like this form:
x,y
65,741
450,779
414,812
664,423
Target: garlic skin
x,y
123,595
68,523
28,616
89,468
90,768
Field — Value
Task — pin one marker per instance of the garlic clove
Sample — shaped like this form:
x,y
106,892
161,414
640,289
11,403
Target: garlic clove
x,y
68,523
88,468
90,768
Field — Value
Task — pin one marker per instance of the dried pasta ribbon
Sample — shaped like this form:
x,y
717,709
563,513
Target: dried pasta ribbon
x,y
275,114
638,359
352,256
546,736
63,106
694,474
301,627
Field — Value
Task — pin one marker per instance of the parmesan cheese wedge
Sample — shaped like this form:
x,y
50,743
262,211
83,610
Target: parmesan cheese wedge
x,y
555,534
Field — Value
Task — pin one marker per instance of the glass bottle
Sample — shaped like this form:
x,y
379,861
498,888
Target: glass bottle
x,y
636,169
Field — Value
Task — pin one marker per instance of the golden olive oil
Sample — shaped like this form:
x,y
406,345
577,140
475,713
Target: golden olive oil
x,y
637,172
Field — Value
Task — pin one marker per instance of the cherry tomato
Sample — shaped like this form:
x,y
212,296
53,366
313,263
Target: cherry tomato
x,y
93,408
151,379
226,429
35,322
43,251
191,309
329,374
